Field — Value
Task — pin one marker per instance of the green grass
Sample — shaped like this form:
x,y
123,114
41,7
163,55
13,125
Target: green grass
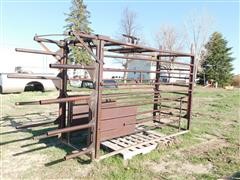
x,y
209,151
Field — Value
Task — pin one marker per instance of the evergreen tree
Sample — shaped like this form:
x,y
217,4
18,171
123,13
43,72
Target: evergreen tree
x,y
78,19
217,65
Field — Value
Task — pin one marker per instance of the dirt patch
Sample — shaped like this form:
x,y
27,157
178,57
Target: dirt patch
x,y
179,167
206,146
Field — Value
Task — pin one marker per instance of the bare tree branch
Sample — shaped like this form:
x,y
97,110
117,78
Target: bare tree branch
x,y
169,38
198,28
129,27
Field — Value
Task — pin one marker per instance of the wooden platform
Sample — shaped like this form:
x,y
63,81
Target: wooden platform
x,y
134,139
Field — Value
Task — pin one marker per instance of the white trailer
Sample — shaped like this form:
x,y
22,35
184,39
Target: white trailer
x,y
20,82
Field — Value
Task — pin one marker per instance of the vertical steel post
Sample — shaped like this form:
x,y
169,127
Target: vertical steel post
x,y
156,91
190,91
180,114
69,119
100,55
63,88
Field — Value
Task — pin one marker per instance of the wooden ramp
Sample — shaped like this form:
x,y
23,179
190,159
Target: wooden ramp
x,y
134,139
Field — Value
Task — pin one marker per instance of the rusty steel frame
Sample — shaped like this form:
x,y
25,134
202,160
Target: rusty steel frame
x,y
101,48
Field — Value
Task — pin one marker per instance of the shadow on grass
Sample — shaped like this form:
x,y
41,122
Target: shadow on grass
x,y
12,121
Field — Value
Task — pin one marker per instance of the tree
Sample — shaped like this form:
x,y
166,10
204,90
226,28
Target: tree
x,y
129,28
78,19
198,27
169,39
217,60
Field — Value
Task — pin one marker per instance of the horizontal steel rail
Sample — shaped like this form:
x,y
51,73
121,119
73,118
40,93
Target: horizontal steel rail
x,y
36,51
146,84
172,107
69,129
141,71
54,101
77,154
70,66
136,104
147,59
185,92
107,39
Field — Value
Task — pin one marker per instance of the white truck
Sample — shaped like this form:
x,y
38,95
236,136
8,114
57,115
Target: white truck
x,y
20,82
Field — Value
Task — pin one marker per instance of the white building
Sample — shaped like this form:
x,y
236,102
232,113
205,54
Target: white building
x,y
172,76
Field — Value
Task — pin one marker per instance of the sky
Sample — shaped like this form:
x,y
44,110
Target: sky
x,y
20,20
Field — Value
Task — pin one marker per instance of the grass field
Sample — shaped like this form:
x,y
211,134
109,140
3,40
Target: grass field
x,y
210,151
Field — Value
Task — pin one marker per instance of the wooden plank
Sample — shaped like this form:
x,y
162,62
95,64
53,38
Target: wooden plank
x,y
135,144
147,137
111,145
130,143
150,141
119,143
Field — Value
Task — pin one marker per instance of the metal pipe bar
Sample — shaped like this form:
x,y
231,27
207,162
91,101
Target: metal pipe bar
x,y
36,51
69,66
190,90
43,136
128,95
107,39
171,114
148,79
61,100
69,129
170,125
143,143
166,70
146,92
142,71
53,101
27,103
46,35
130,105
147,59
85,46
129,50
170,107
79,153
146,84
40,39
128,88
139,87
174,77
143,96
47,49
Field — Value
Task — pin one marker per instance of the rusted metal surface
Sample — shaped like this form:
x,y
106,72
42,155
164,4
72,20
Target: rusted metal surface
x,y
68,66
115,122
108,113
191,79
